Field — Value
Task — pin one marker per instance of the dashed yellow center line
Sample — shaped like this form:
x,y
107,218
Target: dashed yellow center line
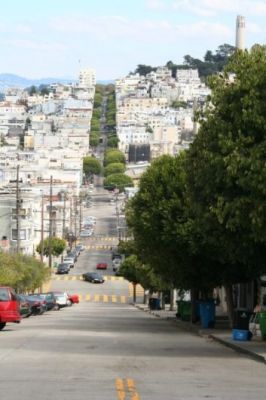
x,y
124,387
121,394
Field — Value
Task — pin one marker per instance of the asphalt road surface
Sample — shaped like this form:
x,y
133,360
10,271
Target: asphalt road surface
x,y
105,349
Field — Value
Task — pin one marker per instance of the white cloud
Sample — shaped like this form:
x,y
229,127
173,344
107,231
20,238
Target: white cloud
x,y
214,7
157,5
145,30
33,45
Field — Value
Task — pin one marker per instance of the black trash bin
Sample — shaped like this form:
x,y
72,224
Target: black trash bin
x,y
154,304
241,318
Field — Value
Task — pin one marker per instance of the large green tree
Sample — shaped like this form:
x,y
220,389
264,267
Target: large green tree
x,y
114,168
22,272
91,166
117,181
227,170
58,245
114,156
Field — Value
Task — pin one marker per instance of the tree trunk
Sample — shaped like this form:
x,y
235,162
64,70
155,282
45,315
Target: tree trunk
x,y
172,299
230,303
134,292
194,298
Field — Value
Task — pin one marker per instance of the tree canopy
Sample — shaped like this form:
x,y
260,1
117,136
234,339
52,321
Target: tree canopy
x,y
22,272
91,166
58,245
117,181
114,168
114,156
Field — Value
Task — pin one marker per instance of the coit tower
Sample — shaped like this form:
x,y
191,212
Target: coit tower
x,y
240,32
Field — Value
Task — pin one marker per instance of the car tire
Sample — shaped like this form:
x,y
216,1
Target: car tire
x,y
56,307
2,325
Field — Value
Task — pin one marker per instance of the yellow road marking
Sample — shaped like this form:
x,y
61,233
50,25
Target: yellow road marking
x,y
123,299
88,297
126,386
96,297
132,389
120,389
114,299
105,298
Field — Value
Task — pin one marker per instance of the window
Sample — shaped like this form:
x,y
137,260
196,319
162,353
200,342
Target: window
x,y
22,234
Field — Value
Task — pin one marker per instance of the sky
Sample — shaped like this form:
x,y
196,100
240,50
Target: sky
x,y
56,38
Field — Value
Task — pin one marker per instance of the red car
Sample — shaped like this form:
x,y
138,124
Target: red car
x,y
74,298
9,306
101,266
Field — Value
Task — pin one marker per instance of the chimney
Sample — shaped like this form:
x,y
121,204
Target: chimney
x,y
240,32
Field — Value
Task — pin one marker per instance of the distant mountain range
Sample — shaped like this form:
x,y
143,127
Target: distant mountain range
x,y
11,80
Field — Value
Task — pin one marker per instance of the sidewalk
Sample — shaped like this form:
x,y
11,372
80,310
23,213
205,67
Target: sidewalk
x,y
255,348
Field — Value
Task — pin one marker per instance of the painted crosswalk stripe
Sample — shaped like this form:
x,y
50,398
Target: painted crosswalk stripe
x,y
88,297
114,299
105,298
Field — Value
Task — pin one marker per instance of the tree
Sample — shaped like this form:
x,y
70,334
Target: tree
x,y
32,90
114,156
117,181
22,272
94,139
112,141
58,245
144,69
91,166
114,169
226,173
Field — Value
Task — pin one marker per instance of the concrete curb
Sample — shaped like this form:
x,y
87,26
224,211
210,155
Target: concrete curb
x,y
207,333
239,349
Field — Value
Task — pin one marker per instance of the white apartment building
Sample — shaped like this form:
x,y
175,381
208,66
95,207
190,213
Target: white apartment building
x,y
87,78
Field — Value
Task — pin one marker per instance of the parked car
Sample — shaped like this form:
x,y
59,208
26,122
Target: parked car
x,y
63,268
116,263
70,261
101,265
9,306
50,300
62,299
37,303
73,254
74,298
24,306
93,277
80,247
85,233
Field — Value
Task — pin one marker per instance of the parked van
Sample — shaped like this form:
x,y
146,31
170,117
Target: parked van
x,y
9,306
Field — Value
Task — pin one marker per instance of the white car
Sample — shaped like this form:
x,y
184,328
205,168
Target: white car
x,y
85,233
70,261
116,264
62,299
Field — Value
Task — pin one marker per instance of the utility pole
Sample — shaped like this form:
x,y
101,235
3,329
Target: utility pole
x,y
64,217
42,221
80,214
50,222
18,200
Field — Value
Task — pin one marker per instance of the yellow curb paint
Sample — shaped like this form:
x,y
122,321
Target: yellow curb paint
x,y
114,299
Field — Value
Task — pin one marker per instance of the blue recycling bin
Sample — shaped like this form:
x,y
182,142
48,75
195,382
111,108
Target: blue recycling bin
x,y
207,314
155,304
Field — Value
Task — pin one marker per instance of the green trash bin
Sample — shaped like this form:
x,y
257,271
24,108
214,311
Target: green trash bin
x,y
262,319
184,309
